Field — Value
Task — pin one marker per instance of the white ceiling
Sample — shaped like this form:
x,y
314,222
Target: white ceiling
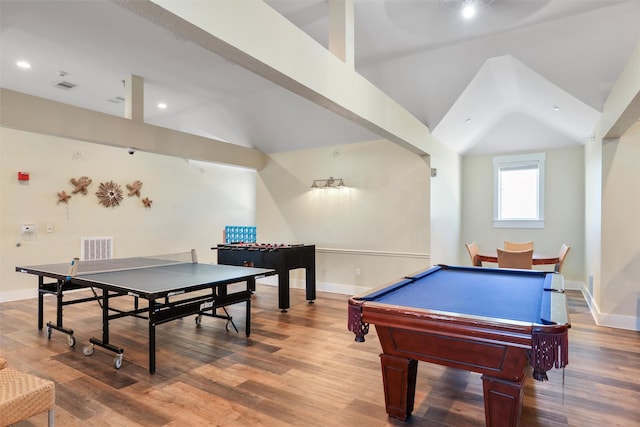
x,y
506,70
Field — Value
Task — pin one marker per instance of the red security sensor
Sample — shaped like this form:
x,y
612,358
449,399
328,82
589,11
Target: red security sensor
x,y
23,176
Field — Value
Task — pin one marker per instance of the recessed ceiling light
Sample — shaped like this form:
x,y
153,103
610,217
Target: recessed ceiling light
x,y
557,108
469,120
468,9
162,106
23,64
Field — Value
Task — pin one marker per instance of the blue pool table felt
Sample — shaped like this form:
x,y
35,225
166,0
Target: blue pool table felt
x,y
495,294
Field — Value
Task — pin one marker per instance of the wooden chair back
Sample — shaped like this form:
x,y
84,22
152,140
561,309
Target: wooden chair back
x,y
473,252
515,259
517,246
564,249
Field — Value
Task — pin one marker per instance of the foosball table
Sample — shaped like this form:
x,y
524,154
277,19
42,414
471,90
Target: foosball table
x,y
280,257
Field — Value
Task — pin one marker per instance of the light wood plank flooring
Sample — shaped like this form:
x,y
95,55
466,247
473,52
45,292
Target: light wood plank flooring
x,y
300,368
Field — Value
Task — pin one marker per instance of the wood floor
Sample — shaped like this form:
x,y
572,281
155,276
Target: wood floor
x,y
300,368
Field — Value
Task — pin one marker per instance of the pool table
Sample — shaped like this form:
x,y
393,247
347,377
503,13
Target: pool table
x,y
491,321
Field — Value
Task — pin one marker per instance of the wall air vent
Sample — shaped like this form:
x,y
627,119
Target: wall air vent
x,y
65,85
93,248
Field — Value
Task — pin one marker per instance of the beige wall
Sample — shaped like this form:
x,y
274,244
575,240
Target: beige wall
x,y
564,209
612,230
619,293
593,216
612,214
378,225
445,205
175,222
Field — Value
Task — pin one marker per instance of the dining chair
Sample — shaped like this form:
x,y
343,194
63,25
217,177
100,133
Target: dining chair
x,y
517,246
515,259
473,253
564,249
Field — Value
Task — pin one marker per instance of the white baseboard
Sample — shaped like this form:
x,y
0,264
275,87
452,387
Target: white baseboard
x,y
334,288
18,295
631,323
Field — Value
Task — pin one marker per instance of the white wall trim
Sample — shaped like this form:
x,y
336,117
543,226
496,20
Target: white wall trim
x,y
609,320
30,293
373,253
18,295
334,288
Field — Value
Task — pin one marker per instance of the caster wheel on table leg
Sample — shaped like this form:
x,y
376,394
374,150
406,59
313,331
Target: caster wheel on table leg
x,y
87,350
117,362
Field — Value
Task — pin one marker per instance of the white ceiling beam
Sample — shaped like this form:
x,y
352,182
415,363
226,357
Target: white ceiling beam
x,y
341,30
134,98
254,36
39,115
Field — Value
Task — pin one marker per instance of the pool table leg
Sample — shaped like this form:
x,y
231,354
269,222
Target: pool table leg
x,y
399,379
502,401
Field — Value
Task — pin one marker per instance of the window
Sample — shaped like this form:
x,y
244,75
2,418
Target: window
x,y
518,191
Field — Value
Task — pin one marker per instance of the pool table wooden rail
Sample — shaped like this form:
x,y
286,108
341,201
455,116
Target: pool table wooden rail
x,y
468,343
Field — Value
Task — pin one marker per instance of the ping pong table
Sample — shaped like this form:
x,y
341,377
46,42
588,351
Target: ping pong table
x,y
165,281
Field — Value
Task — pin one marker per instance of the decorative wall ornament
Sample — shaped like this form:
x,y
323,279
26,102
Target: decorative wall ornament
x,y
63,197
134,189
147,202
80,184
109,194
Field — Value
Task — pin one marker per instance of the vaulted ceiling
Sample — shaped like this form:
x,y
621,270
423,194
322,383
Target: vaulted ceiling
x,y
519,76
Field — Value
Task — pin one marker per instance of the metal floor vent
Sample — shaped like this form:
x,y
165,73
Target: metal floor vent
x,y
65,85
95,248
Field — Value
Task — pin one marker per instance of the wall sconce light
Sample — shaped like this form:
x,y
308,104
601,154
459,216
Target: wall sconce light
x,y
331,182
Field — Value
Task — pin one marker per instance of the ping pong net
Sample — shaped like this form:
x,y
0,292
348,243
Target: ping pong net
x,y
80,268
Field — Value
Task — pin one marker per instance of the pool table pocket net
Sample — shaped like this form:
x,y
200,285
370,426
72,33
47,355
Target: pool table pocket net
x,y
548,350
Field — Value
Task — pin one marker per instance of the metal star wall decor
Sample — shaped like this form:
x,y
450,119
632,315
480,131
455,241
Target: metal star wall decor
x,y
109,194
134,188
63,197
80,184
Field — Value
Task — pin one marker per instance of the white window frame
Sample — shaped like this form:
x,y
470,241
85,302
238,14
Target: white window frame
x,y
521,160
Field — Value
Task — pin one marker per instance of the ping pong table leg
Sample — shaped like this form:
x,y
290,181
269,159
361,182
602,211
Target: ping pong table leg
x,y
58,326
104,343
40,302
247,325
59,297
152,336
251,283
